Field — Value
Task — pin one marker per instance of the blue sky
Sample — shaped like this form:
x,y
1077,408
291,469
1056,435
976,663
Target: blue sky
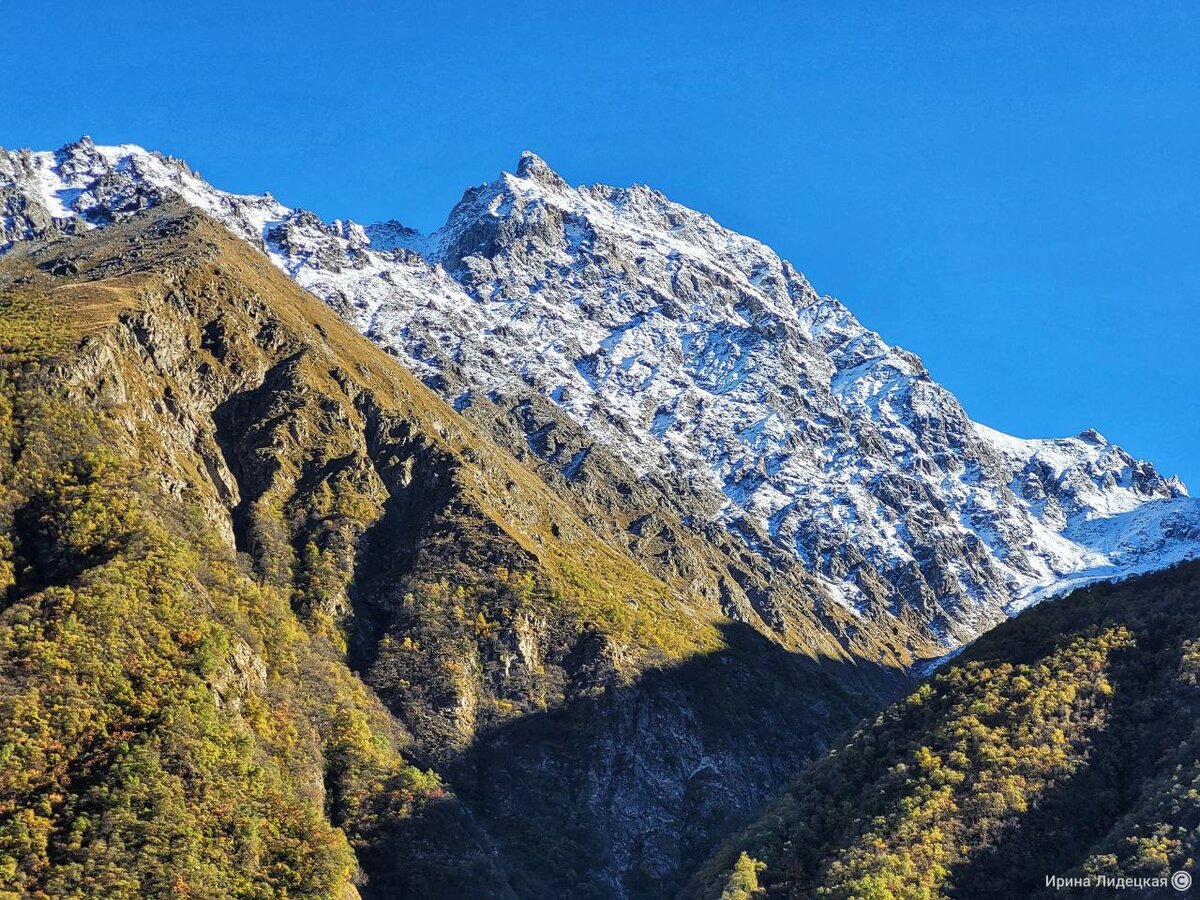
x,y
1011,190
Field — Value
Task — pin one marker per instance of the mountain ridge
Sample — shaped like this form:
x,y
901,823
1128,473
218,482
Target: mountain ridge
x,y
612,524
705,362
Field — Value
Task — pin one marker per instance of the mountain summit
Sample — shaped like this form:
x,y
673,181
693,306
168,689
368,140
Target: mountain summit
x,y
532,166
705,364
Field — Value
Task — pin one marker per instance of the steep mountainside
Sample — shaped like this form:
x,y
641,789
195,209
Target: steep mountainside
x,y
1064,743
168,727
582,320
251,564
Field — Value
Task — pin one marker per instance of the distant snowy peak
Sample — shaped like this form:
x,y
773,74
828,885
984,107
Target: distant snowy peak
x,y
86,185
1095,475
688,349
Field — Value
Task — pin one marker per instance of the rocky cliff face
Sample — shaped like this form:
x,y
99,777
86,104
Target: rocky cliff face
x,y
720,383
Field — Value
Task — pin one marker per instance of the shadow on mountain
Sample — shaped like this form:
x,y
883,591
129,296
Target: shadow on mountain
x,y
625,791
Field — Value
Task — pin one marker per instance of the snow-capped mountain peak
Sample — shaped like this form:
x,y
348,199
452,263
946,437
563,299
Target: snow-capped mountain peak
x,y
693,351
533,168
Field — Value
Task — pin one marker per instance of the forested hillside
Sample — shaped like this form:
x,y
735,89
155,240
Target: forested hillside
x,y
167,727
1065,743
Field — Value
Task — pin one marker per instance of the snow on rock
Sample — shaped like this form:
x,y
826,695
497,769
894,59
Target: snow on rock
x,y
690,349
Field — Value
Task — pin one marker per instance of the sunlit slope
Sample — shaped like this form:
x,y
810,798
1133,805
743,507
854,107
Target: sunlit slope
x,y
1066,743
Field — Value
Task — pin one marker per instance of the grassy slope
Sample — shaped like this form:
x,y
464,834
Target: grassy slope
x,y
1064,742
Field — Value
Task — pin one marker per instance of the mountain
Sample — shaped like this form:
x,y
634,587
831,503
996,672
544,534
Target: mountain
x,y
1061,745
278,621
529,558
619,337
168,724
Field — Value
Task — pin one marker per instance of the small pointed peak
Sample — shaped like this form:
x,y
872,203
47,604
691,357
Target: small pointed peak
x,y
1092,436
85,142
530,163
533,167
